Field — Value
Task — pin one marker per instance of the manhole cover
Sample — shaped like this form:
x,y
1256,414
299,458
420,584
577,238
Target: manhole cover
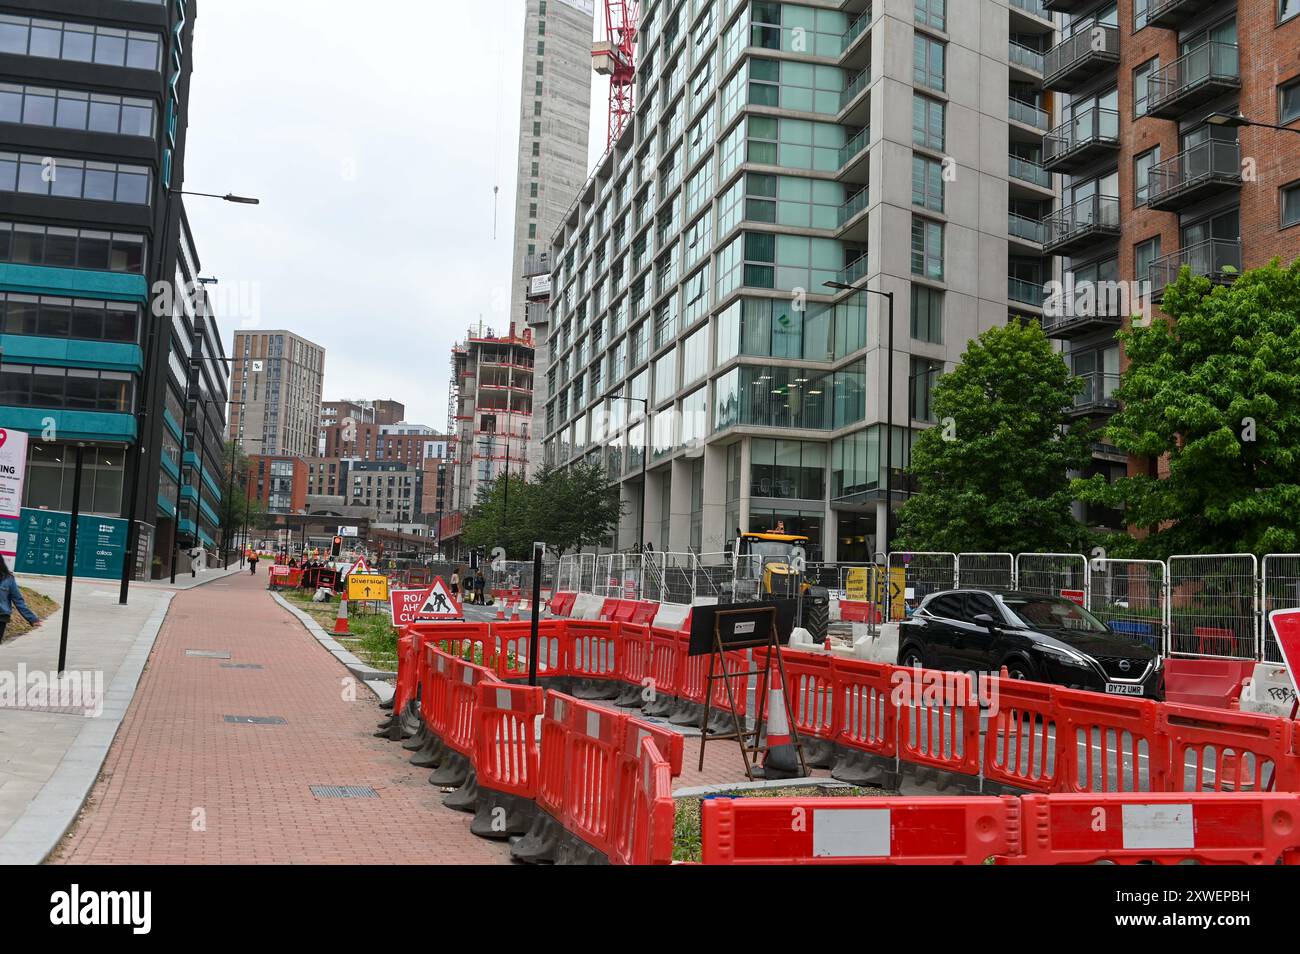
x,y
209,653
241,665
344,791
255,720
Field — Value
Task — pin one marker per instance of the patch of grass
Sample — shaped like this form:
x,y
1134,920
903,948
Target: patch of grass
x,y
686,825
42,606
373,638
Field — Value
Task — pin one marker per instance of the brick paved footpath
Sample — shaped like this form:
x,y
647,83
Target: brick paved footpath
x,y
175,755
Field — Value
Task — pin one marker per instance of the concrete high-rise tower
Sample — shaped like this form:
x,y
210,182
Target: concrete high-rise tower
x,y
554,131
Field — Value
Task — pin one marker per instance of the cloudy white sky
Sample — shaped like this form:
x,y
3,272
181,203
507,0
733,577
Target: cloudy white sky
x,y
373,134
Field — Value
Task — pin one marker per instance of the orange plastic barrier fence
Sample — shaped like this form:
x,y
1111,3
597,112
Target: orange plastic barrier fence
x,y
595,735
939,719
633,653
810,687
608,609
666,662
512,642
506,752
562,603
1211,828
643,613
937,830
435,706
868,718
637,797
1110,743
653,813
1023,743
553,770
1223,751
463,679
591,649
735,663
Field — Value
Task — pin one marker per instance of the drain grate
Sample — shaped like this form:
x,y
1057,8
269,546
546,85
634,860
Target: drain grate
x,y
209,653
344,791
255,720
241,665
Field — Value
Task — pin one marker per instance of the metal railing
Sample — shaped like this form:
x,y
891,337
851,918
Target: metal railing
x,y
856,28
1098,390
1074,50
853,271
854,146
1213,606
1031,230
1022,55
1032,6
854,86
1097,212
1212,160
855,204
1092,126
1210,61
1026,113
1025,292
1213,258
1027,170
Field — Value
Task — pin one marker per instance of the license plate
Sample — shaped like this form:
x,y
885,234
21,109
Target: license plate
x,y
1118,689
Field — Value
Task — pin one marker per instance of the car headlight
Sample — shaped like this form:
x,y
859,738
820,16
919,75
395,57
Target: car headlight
x,y
1063,655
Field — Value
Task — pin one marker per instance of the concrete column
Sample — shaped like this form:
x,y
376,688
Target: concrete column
x,y
830,536
679,517
715,532
653,508
882,528
630,493
745,458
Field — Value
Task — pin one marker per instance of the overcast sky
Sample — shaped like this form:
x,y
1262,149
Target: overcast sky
x,y
373,134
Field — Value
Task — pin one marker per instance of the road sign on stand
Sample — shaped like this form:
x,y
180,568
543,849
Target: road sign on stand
x,y
439,603
367,586
1286,630
406,605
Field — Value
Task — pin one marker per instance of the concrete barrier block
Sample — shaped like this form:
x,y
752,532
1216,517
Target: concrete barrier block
x,y
878,647
587,606
671,615
1268,691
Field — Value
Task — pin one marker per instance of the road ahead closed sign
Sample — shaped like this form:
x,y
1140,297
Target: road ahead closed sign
x,y
367,586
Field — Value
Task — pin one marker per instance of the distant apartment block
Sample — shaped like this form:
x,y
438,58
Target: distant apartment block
x,y
278,376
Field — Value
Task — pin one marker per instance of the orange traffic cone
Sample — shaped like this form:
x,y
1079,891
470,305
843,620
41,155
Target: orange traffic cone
x,y
781,758
341,621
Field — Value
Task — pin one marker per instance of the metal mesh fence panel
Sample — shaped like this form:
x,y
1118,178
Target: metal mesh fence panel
x,y
1280,575
713,576
923,573
986,571
678,578
1130,597
1053,574
1213,605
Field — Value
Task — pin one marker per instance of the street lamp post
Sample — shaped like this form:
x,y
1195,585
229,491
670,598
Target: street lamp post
x,y
889,405
1236,120
142,397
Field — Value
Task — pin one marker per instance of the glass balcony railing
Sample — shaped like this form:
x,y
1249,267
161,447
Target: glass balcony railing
x,y
1026,113
1091,130
1022,55
855,204
1025,292
854,146
1031,230
1032,6
1200,74
856,29
1098,391
855,270
1184,177
1216,259
854,86
1026,170
1081,56
1081,221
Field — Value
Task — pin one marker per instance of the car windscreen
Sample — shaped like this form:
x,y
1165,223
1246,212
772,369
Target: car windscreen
x,y
1045,612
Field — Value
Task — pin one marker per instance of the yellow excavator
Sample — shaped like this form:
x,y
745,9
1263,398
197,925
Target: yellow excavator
x,y
766,566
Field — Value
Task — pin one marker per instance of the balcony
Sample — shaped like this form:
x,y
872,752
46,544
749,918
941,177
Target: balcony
x,y
1092,135
1067,6
536,313
1034,8
1203,170
1097,396
1026,170
1078,226
1080,58
855,100
852,210
852,52
853,157
1171,14
1022,58
1083,309
1219,260
1024,292
539,263
855,270
1026,113
1025,230
1198,76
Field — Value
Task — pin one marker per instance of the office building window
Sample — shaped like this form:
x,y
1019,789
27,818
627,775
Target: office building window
x,y
80,43
1144,253
927,122
74,178
1141,85
924,373
927,183
927,314
1142,175
52,317
27,244
69,109
1286,9
1288,103
1290,205
927,62
927,248
1141,9
932,13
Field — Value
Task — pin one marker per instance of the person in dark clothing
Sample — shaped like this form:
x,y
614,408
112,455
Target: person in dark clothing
x,y
11,598
252,563
479,585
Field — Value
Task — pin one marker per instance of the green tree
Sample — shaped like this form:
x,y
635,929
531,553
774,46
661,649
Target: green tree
x,y
503,516
993,473
235,499
1215,395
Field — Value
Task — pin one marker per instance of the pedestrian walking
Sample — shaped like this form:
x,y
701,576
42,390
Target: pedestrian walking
x,y
252,563
479,585
455,582
11,598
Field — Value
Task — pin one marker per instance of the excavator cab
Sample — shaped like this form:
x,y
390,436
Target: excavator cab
x,y
766,568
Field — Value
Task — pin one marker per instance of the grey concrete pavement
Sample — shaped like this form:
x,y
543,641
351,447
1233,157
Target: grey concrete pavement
x,y
52,744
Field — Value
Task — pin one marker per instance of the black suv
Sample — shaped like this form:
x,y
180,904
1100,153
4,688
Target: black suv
x,y
1039,638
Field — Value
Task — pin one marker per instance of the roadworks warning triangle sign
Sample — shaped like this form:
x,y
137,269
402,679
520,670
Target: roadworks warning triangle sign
x,y
439,603
361,566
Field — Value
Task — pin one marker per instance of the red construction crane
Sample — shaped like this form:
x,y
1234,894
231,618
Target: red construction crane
x,y
615,57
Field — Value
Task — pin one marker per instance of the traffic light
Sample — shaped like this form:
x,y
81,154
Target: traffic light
x,y
337,547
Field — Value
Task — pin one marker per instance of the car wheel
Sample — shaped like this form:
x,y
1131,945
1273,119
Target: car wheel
x,y
912,658
1019,668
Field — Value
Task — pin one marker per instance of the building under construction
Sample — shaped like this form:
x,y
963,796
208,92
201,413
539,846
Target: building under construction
x,y
490,413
